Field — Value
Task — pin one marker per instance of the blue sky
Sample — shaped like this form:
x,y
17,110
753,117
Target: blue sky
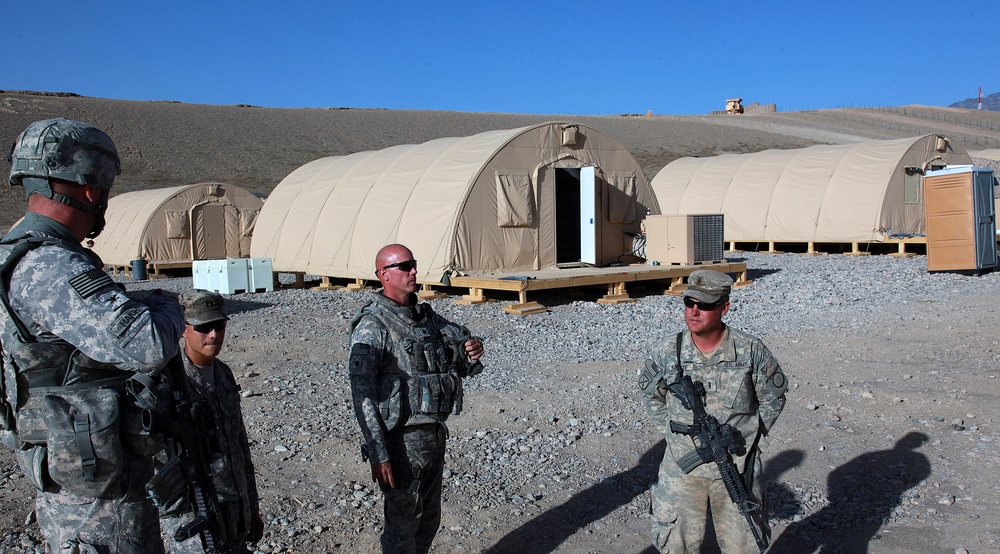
x,y
583,58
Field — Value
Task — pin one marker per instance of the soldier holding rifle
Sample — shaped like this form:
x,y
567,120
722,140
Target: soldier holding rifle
x,y
714,392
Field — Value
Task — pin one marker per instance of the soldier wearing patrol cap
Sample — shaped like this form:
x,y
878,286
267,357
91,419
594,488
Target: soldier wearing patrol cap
x,y
71,339
211,383
745,388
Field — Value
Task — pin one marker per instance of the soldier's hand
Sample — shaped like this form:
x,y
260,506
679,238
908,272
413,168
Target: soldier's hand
x,y
474,348
382,474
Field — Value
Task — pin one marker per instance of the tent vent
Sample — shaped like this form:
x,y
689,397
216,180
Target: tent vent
x,y
215,190
569,135
941,145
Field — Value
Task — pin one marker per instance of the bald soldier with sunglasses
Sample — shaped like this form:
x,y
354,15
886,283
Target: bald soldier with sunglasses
x,y
406,369
744,388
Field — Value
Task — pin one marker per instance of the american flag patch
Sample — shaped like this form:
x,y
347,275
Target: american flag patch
x,y
87,284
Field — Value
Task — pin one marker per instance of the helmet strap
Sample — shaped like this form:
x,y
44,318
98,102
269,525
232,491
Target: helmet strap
x,y
36,185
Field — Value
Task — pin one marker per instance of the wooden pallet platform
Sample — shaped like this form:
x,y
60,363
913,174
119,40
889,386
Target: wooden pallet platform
x,y
154,270
896,247
615,278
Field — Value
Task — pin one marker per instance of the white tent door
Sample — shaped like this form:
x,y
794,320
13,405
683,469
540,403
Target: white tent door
x,y
208,236
576,215
588,216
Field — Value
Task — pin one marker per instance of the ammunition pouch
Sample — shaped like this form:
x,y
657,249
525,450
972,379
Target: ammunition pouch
x,y
436,394
32,460
83,438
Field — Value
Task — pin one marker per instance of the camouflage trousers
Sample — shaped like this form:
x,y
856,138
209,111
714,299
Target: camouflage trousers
x,y
124,523
170,524
680,508
413,508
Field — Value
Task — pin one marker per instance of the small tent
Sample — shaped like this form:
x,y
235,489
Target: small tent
x,y
179,224
863,192
500,201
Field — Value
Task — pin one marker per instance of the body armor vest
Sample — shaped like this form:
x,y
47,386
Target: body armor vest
x,y
427,373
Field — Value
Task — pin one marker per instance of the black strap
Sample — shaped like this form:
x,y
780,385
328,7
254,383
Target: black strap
x,y
21,247
677,350
88,460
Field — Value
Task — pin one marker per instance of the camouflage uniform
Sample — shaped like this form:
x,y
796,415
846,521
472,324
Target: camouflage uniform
x,y
232,467
745,388
90,337
406,370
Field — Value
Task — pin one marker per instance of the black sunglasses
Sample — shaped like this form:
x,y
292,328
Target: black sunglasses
x,y
703,306
206,328
403,266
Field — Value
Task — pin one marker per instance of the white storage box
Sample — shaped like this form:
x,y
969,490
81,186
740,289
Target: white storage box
x,y
261,275
229,276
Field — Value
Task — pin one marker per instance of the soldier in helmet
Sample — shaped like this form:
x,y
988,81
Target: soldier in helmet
x,y
745,388
71,339
406,370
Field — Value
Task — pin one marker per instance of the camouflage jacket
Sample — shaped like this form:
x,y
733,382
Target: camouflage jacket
x,y
744,386
405,368
232,467
62,294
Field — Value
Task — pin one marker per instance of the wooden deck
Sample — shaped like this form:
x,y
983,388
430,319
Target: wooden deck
x,y
616,279
154,270
897,247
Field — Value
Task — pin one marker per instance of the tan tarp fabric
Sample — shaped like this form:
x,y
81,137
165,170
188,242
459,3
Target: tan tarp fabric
x,y
828,193
478,204
179,224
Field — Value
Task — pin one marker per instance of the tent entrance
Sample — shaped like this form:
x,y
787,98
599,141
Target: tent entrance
x,y
576,216
208,232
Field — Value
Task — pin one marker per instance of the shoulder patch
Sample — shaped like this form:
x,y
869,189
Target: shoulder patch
x,y
778,379
647,374
90,282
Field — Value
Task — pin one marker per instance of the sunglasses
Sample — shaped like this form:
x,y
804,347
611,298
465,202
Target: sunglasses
x,y
403,266
206,328
703,306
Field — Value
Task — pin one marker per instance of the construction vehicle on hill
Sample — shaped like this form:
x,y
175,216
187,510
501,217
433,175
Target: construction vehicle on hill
x,y
734,105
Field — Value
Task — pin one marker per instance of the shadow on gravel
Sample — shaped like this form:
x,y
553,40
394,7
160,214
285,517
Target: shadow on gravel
x,y
548,530
756,273
862,495
234,306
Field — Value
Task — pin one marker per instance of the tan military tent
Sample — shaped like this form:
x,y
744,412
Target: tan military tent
x,y
179,224
861,192
500,201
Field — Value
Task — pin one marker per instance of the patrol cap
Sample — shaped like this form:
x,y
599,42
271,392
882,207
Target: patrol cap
x,y
202,306
706,285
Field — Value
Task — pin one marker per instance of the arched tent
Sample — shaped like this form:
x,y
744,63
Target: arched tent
x,y
179,224
864,192
500,201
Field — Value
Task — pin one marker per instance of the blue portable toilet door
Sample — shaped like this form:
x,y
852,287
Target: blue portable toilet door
x,y
986,227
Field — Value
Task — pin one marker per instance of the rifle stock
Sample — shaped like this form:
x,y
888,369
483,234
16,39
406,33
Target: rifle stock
x,y
714,442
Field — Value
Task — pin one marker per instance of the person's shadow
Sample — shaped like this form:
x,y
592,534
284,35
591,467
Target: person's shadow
x,y
548,530
862,494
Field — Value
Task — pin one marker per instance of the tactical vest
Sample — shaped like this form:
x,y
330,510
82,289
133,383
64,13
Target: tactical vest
x,y
425,353
62,411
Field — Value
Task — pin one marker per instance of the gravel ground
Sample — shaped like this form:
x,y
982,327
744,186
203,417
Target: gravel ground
x,y
889,430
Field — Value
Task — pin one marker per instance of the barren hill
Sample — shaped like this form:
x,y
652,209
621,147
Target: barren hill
x,y
166,143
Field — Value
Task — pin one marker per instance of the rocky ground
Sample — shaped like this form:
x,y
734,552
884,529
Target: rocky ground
x,y
888,442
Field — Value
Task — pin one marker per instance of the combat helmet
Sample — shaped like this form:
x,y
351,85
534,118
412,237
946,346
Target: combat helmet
x,y
67,150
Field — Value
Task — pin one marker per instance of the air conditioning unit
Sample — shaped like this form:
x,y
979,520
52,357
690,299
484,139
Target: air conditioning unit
x,y
685,239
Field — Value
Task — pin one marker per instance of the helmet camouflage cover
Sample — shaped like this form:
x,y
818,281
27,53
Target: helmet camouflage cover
x,y
64,149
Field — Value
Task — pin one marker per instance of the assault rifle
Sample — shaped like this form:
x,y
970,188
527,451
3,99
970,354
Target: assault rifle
x,y
185,425
714,442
